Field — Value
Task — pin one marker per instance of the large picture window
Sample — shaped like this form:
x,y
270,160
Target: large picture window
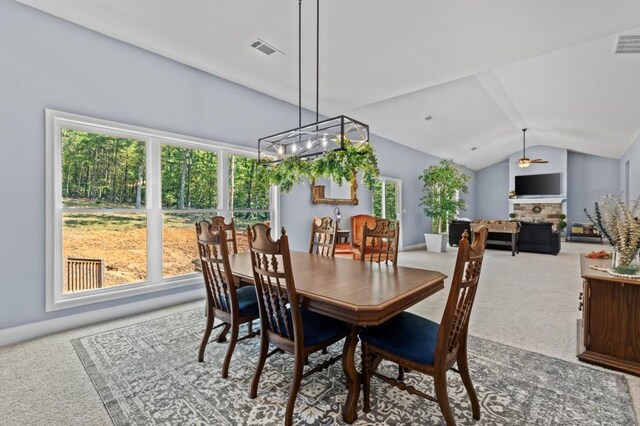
x,y
123,201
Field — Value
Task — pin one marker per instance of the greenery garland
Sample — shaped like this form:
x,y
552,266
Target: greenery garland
x,y
340,166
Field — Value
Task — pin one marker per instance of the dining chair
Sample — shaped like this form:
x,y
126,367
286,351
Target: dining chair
x,y
233,306
418,344
284,323
323,237
229,232
380,242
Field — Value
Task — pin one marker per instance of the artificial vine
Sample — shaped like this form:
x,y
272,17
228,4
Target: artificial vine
x,y
340,166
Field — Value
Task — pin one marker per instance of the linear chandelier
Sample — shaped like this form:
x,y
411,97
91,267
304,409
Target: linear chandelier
x,y
315,139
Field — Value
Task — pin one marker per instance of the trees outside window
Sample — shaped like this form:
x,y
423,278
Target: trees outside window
x,y
123,202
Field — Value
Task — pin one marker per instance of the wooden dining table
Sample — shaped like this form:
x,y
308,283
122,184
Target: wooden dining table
x,y
358,293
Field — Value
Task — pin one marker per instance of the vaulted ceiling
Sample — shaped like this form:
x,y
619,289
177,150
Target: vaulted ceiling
x,y
482,70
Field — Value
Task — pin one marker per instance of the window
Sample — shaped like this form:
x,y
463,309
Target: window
x,y
248,198
123,201
386,198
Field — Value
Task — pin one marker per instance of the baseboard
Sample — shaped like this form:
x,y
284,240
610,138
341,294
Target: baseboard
x,y
413,247
33,330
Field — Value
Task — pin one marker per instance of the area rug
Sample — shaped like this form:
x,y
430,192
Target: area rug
x,y
148,374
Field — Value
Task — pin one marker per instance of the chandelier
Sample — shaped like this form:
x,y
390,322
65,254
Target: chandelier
x,y
315,139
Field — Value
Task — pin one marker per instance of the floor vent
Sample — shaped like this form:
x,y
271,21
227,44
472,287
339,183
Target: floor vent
x,y
265,47
628,44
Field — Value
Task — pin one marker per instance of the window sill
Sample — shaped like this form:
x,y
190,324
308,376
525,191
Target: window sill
x,y
69,301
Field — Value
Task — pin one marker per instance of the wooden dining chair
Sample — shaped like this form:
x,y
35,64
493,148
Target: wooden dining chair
x,y
380,242
284,323
323,237
229,232
233,306
421,345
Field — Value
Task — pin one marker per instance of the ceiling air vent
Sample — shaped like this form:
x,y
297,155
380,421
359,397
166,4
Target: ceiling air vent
x,y
265,47
628,43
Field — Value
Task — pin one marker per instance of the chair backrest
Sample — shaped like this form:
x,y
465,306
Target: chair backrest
x,y
218,277
273,275
229,232
380,242
455,319
323,237
357,222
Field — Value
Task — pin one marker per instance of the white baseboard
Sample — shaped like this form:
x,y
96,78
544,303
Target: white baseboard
x,y
413,247
42,328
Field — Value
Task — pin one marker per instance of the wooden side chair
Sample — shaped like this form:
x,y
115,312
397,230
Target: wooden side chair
x,y
380,242
233,306
229,232
422,345
284,323
323,237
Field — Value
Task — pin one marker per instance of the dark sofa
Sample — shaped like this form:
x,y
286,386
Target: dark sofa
x,y
538,238
456,229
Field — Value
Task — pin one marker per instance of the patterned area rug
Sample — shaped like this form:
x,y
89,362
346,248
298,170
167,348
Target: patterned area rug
x,y
148,374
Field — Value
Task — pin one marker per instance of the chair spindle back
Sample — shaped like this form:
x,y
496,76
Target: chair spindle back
x,y
229,232
214,258
323,237
273,275
455,320
380,243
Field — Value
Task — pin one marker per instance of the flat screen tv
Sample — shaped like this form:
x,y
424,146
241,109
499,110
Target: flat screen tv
x,y
548,184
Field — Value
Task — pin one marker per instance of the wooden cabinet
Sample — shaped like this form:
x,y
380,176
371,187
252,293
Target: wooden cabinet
x,y
610,319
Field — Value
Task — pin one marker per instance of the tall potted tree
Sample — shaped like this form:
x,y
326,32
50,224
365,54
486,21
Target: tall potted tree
x,y
442,183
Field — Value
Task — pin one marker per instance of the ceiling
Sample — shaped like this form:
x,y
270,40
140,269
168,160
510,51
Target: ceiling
x,y
483,70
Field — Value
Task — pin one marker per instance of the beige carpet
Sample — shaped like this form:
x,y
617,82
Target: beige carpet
x,y
528,301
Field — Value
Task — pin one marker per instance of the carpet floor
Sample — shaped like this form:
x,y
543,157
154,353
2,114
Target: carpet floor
x,y
147,374
528,301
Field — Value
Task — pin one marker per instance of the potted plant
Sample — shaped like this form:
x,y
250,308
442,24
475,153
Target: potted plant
x,y
442,183
563,223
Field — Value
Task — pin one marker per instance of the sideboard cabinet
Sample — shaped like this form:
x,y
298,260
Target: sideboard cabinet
x,y
609,331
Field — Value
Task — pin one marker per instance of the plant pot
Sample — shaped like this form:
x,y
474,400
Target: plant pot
x,y
436,242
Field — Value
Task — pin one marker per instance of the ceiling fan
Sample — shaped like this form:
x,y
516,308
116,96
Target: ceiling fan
x,y
524,161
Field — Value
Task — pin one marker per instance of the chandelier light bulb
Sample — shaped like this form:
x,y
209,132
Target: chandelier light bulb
x,y
280,150
294,147
309,144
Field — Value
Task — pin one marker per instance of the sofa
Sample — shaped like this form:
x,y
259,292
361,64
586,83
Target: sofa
x,y
538,237
456,229
534,237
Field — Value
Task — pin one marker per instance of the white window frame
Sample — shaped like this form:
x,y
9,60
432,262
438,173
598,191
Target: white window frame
x,y
398,182
153,139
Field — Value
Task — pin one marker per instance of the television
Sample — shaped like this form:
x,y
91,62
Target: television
x,y
547,184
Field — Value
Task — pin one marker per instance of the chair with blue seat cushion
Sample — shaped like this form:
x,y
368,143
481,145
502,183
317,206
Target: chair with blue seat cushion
x,y
233,306
283,322
418,344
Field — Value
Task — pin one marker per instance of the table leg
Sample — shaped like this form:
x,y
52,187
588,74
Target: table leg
x,y
349,411
513,244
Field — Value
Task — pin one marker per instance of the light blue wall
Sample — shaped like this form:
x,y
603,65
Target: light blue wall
x,y
492,192
589,178
633,157
50,63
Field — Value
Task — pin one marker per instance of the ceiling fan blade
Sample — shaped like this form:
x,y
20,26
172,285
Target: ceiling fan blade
x,y
539,161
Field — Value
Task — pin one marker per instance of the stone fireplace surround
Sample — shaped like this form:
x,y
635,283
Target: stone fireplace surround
x,y
526,209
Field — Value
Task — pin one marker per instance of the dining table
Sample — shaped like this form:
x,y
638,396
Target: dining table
x,y
358,293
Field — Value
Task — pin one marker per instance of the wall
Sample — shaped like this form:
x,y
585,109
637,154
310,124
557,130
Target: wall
x,y
589,177
633,157
50,63
492,192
